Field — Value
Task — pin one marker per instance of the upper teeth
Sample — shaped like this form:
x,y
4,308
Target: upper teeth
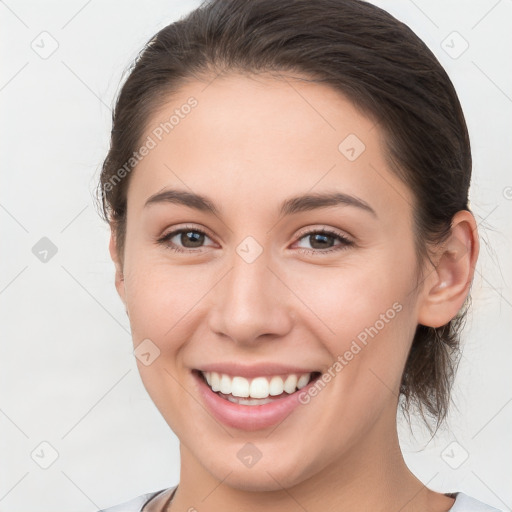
x,y
259,387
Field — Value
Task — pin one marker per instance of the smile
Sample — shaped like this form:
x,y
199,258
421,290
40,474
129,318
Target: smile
x,y
237,388
252,403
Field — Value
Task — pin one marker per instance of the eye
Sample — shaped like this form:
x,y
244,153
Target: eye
x,y
323,241
190,239
186,239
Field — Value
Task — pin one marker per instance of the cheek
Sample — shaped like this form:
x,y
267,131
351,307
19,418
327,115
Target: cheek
x,y
162,303
161,296
151,301
367,322
348,299
364,315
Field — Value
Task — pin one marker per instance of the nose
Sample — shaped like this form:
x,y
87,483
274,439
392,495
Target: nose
x,y
251,302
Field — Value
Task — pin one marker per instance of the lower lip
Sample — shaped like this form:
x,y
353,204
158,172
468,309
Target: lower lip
x,y
248,417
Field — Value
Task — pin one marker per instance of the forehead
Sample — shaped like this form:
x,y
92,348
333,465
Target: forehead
x,y
248,136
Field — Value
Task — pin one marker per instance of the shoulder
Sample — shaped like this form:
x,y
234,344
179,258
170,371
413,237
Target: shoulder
x,y
135,504
465,503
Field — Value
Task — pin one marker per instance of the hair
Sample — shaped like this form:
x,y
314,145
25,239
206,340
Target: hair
x,y
371,58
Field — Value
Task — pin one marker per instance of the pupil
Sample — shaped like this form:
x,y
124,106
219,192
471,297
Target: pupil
x,y
195,237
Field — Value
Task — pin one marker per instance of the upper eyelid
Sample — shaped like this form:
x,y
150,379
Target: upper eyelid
x,y
326,229
182,229
301,233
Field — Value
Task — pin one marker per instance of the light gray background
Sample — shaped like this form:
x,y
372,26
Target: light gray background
x,y
68,374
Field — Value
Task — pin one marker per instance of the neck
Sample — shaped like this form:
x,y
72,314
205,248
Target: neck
x,y
371,475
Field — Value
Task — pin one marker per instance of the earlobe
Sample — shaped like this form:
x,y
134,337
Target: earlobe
x,y
447,287
119,276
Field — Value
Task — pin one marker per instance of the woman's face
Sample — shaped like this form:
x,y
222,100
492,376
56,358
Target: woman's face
x,y
262,293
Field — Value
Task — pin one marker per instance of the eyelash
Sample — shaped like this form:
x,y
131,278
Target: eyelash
x,y
345,242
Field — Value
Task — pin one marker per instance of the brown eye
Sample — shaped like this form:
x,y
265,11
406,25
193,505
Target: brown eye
x,y
194,238
185,239
324,241
321,241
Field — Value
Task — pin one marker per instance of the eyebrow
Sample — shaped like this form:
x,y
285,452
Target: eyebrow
x,y
310,202
290,206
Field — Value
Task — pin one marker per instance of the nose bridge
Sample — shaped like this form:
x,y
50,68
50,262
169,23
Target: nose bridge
x,y
250,300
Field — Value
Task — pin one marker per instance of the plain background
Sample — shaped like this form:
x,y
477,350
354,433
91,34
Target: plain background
x,y
68,377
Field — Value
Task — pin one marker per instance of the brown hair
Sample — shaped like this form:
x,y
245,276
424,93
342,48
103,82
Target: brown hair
x,y
361,51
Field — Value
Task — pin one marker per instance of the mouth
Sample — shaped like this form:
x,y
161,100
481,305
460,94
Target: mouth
x,y
266,399
256,391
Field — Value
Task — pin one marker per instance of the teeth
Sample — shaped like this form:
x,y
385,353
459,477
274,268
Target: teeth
x,y
239,386
276,386
225,384
215,380
304,379
291,382
259,387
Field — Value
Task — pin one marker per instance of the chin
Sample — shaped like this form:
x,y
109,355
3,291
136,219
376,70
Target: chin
x,y
274,474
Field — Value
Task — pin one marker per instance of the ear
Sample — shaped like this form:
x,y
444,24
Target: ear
x,y
114,254
447,286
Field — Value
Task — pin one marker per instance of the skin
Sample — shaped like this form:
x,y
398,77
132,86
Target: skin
x,y
249,145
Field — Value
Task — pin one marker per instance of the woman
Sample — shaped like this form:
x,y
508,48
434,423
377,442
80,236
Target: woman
x,y
287,187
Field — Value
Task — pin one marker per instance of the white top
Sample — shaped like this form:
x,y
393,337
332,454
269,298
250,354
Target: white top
x,y
463,503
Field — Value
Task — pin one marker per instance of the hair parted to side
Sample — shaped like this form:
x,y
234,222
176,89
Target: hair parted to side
x,y
371,58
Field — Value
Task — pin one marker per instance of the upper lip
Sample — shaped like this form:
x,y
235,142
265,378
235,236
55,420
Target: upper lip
x,y
254,370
